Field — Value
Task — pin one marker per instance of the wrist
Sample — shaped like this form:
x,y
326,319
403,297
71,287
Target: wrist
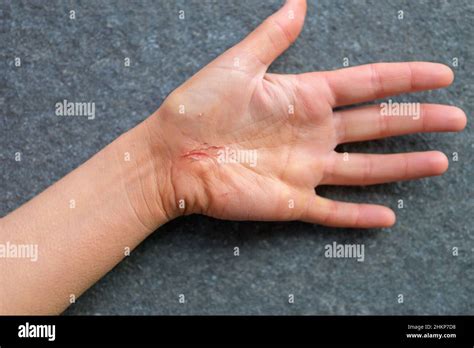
x,y
145,170
184,170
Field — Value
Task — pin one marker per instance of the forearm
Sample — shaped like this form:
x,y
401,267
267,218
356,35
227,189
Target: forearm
x,y
83,225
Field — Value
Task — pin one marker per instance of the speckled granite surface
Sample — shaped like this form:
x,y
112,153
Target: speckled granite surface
x,y
82,60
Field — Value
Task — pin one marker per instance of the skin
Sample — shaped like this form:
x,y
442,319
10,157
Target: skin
x,y
174,165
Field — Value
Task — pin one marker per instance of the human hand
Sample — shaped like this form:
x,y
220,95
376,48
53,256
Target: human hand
x,y
243,144
233,142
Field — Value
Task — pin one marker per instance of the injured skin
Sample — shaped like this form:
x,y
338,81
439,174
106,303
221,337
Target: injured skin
x,y
202,152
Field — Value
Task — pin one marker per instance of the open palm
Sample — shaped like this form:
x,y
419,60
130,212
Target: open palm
x,y
244,144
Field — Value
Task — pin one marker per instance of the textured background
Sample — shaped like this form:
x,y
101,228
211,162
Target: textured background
x,y
82,60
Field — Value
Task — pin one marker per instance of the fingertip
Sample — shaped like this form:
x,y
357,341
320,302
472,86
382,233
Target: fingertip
x,y
439,162
389,219
296,10
300,4
447,73
439,75
459,119
375,216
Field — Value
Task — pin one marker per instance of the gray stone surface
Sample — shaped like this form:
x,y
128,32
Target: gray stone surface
x,y
82,60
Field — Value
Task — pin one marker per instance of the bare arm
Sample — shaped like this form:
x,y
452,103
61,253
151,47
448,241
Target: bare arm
x,y
82,226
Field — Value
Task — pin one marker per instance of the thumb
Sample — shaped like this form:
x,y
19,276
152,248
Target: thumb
x,y
276,33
